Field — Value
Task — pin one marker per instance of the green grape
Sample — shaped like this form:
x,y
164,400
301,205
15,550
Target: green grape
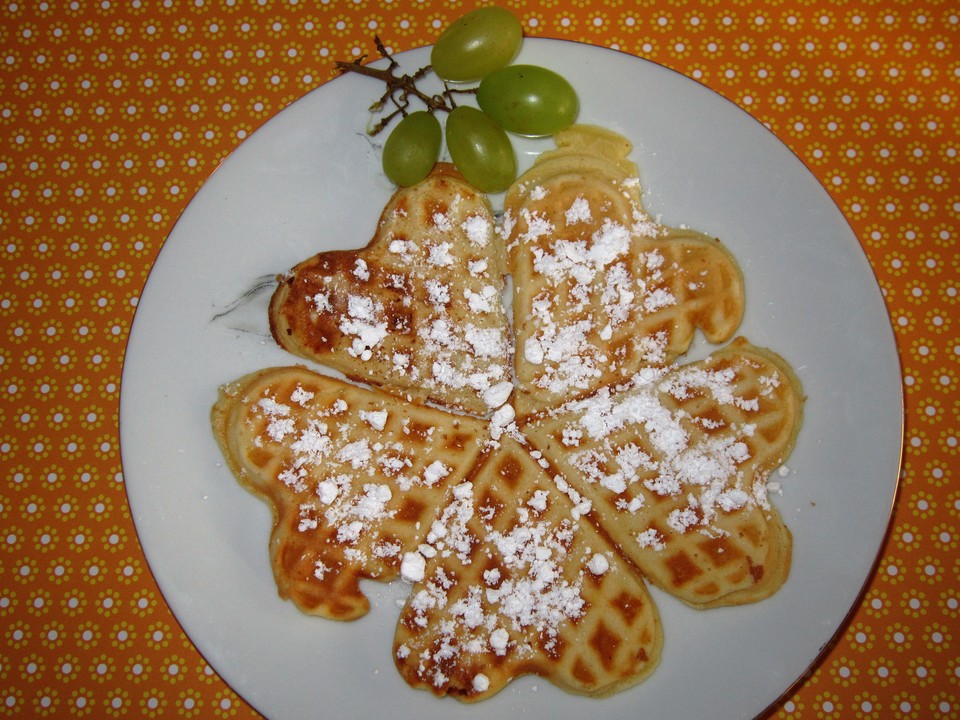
x,y
480,149
476,44
412,148
528,100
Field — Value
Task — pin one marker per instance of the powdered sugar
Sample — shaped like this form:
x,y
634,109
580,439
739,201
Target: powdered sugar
x,y
321,301
598,564
497,395
301,396
668,458
650,538
481,683
438,292
483,301
440,255
578,212
412,567
435,472
377,419
597,279
357,478
539,597
364,322
281,424
485,342
442,222
443,330
525,598
479,230
581,260
360,270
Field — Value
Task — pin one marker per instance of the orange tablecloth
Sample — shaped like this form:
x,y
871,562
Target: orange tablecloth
x,y
113,113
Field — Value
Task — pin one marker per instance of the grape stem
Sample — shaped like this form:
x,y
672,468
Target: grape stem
x,y
400,88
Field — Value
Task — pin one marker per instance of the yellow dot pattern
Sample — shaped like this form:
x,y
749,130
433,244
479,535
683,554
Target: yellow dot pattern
x,y
113,113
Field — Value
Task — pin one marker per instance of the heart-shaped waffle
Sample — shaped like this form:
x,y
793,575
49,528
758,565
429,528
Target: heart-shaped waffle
x,y
517,582
353,476
419,310
600,288
676,463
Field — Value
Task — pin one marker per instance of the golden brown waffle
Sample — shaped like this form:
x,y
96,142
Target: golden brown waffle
x,y
601,289
419,311
354,477
528,541
517,582
676,466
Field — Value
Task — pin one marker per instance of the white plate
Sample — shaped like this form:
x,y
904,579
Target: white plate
x,y
309,180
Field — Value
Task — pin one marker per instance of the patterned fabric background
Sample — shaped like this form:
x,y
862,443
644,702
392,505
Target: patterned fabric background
x,y
112,115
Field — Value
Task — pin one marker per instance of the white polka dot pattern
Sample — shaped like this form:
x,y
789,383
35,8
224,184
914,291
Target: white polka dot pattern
x,y
113,113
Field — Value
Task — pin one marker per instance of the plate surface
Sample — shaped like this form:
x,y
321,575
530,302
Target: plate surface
x,y
310,180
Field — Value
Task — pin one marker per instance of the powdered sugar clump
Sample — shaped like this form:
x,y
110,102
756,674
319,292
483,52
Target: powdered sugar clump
x,y
364,322
670,456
